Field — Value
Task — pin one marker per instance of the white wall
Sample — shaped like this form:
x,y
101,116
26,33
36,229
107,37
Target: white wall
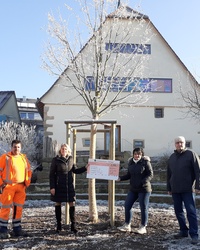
x,y
137,123
63,103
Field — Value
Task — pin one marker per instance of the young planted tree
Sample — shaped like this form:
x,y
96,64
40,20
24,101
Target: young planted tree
x,y
106,67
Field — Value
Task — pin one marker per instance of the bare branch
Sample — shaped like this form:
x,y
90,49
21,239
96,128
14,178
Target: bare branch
x,y
113,68
191,98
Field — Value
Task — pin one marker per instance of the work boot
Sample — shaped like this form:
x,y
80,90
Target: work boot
x,y
72,218
4,235
18,233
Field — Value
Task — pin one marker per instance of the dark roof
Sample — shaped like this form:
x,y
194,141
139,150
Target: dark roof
x,y
5,96
40,107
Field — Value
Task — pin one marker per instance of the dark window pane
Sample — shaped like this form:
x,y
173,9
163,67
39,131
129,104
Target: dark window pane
x,y
127,84
188,144
128,48
31,116
138,144
159,113
23,115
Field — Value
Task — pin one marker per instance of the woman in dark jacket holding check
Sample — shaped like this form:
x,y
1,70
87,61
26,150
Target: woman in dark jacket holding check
x,y
61,184
139,173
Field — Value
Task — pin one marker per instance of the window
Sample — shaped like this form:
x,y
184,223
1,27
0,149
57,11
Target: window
x,y
188,144
159,112
128,84
138,143
129,48
30,116
27,116
37,116
23,115
3,118
117,139
86,142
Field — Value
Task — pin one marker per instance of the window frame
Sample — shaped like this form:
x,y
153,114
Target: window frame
x,y
138,146
156,109
128,48
188,142
117,138
84,140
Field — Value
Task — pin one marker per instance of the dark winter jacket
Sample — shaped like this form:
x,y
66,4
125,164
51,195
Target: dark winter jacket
x,y
183,172
61,178
140,175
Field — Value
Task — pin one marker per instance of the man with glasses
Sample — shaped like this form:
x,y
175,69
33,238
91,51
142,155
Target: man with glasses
x,y
182,183
15,176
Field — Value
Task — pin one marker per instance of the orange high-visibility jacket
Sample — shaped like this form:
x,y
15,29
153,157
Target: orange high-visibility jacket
x,y
6,169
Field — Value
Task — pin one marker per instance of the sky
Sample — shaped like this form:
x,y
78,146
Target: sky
x,y
23,37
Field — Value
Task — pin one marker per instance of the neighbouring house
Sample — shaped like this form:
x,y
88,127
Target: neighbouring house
x,y
153,124
8,107
20,110
29,113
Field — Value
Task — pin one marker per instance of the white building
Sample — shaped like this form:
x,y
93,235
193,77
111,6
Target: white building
x,y
152,124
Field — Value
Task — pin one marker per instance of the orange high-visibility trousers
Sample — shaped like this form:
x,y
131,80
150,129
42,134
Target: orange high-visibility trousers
x,y
13,196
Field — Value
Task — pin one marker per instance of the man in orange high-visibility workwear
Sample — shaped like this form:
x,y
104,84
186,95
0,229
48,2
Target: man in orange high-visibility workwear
x,y
15,176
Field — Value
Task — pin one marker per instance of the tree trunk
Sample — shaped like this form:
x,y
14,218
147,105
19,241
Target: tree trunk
x,y
93,214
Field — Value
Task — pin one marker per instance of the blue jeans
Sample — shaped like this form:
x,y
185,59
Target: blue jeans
x,y
189,202
143,199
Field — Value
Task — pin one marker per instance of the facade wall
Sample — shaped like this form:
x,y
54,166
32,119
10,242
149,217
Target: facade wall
x,y
62,103
136,124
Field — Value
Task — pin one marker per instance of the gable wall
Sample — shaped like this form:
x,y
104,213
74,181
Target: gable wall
x,y
139,122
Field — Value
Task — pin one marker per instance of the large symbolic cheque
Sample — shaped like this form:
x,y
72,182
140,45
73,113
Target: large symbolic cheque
x,y
103,169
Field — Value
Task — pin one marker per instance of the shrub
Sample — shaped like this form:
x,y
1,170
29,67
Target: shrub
x,y
161,162
31,141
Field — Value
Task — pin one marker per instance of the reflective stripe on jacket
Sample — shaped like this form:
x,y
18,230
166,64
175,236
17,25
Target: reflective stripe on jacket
x,y
6,169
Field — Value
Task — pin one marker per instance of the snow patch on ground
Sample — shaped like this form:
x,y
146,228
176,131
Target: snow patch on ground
x,y
45,208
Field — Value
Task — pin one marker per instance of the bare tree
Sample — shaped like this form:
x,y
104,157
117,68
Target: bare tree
x,y
191,98
106,71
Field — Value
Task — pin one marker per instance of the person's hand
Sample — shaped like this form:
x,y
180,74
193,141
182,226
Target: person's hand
x,y
170,193
52,191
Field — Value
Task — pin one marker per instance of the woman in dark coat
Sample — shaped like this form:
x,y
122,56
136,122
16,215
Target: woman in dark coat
x,y
139,173
61,184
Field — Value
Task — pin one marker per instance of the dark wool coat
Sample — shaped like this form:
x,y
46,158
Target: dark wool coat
x,y
140,175
61,178
183,172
